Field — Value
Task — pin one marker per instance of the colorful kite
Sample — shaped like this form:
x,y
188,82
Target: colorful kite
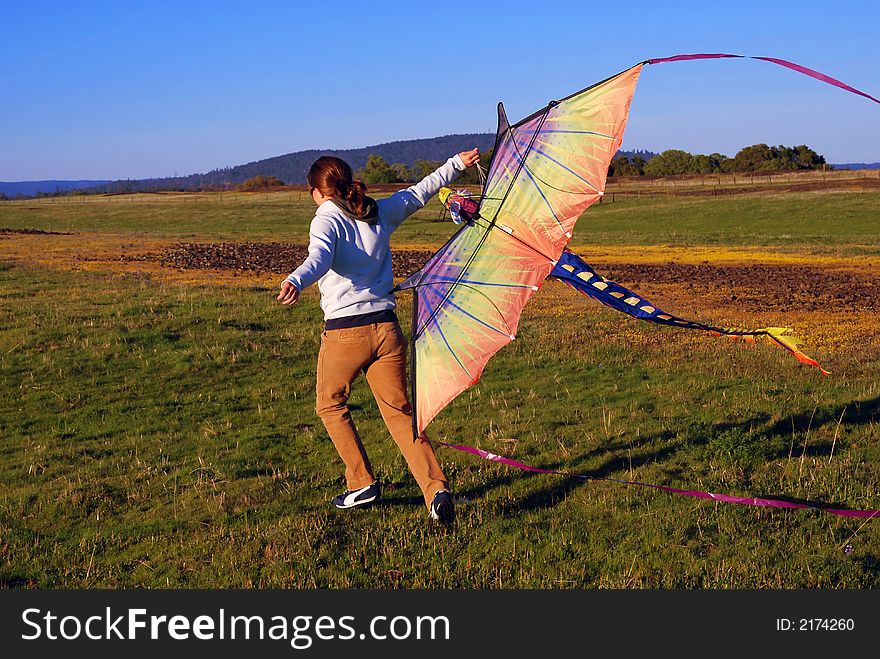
x,y
546,170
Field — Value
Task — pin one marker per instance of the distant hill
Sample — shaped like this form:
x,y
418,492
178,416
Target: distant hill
x,y
857,165
30,188
290,168
293,167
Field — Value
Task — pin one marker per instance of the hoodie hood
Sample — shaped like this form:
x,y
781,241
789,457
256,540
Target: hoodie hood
x,y
369,215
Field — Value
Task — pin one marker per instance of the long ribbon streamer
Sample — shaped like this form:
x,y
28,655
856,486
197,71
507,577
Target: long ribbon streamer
x,y
699,494
577,273
773,60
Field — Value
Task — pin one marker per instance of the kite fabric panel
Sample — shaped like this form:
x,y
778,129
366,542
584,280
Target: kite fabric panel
x,y
546,171
549,168
467,305
574,271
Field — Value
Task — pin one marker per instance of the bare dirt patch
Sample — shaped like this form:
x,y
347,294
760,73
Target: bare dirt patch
x,y
751,287
5,231
278,258
830,299
760,287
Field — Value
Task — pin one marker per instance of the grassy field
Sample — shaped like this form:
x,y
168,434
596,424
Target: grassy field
x,y
158,427
830,222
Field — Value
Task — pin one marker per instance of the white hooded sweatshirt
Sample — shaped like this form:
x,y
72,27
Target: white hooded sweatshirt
x,y
350,259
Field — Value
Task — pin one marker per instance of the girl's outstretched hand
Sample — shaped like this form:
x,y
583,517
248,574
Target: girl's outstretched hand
x,y
289,293
470,158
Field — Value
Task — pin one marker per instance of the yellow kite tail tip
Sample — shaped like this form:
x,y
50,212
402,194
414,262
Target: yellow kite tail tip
x,y
791,344
444,195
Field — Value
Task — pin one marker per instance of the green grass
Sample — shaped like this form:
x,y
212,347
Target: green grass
x,y
160,435
843,222
836,222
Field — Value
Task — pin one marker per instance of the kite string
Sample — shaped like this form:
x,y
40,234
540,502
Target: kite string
x,y
482,173
700,494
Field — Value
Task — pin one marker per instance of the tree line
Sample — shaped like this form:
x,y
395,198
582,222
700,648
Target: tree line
x,y
672,162
754,158
377,170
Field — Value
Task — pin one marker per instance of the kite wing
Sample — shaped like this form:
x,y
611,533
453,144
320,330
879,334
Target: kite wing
x,y
546,171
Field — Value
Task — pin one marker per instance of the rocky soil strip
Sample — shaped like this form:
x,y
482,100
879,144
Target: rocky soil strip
x,y
5,231
764,287
280,258
755,287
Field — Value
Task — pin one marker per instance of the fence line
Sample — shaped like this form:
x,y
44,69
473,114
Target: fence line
x,y
623,187
745,178
159,198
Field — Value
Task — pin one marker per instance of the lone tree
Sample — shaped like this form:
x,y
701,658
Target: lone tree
x,y
421,168
377,171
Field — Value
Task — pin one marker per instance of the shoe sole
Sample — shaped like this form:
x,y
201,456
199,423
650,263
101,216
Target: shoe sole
x,y
357,504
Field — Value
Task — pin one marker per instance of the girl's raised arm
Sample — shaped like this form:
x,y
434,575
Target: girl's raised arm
x,y
395,209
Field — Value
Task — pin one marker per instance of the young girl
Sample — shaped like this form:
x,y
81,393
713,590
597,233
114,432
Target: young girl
x,y
350,259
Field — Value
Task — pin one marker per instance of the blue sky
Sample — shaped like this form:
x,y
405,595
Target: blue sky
x,y
141,89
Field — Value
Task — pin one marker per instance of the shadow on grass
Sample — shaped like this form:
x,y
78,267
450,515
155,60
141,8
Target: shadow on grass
x,y
16,582
399,502
854,413
870,563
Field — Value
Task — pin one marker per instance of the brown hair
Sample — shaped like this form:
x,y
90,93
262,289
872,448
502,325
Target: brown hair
x,y
332,176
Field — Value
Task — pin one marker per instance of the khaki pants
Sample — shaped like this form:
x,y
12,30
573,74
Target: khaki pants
x,y
379,351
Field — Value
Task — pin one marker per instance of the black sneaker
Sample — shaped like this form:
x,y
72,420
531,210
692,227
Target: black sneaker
x,y
362,497
442,508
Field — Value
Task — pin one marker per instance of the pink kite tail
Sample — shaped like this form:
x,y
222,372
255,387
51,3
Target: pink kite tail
x,y
699,494
817,75
774,60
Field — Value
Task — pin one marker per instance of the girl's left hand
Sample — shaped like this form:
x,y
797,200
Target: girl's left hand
x,y
470,158
289,293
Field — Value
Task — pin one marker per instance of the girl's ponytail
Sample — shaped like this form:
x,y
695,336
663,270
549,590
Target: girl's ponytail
x,y
356,195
